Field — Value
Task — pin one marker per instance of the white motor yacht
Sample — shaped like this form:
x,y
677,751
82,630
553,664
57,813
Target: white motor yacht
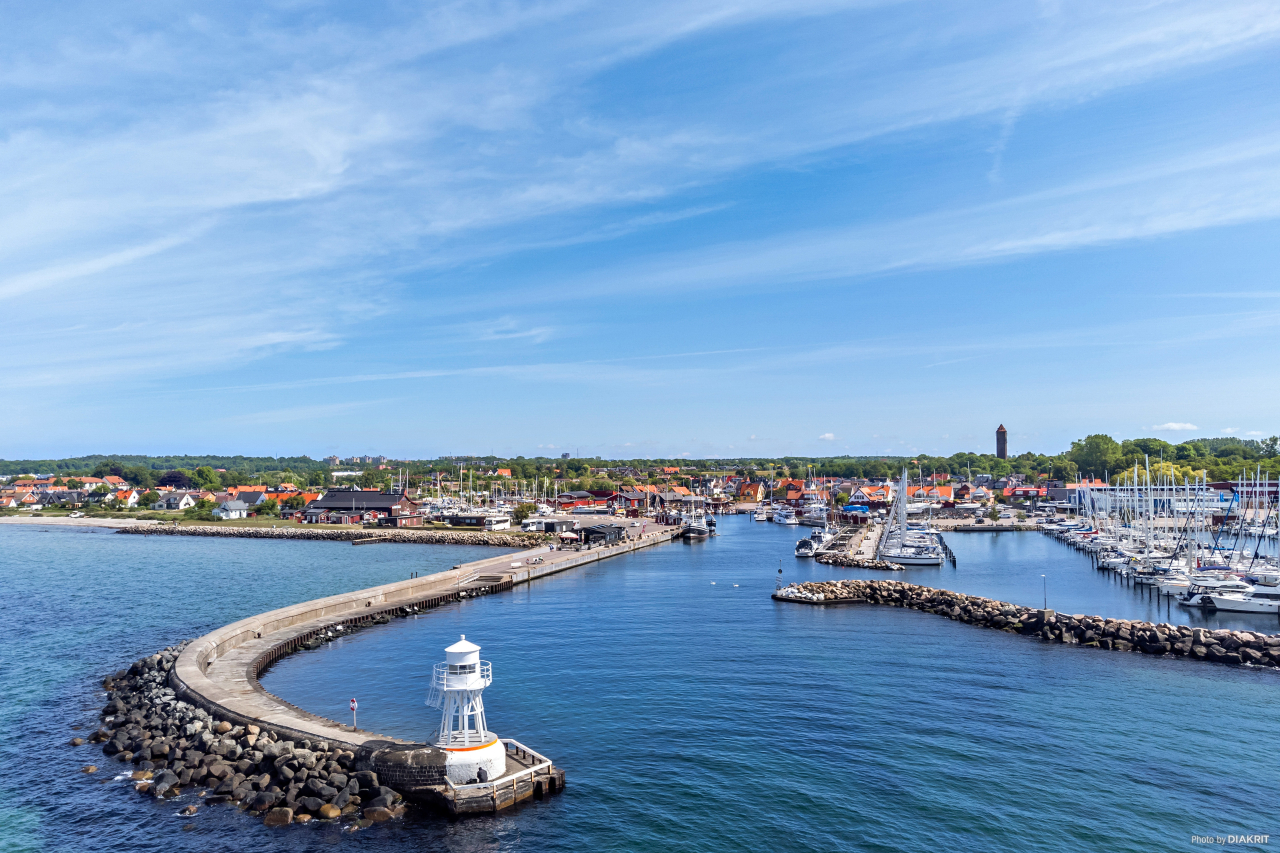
x,y
1258,601
785,515
1200,589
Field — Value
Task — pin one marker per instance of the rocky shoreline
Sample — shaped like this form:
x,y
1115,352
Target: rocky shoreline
x,y
178,747
410,535
1122,635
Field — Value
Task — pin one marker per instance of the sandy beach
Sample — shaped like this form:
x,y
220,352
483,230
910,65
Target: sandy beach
x,y
63,521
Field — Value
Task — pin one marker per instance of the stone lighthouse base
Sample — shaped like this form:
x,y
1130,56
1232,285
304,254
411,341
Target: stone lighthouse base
x,y
463,765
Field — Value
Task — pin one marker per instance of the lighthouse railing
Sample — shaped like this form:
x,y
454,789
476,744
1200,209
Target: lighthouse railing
x,y
442,679
511,778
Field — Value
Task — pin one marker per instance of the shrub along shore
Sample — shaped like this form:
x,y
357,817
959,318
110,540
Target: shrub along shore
x,y
403,534
1121,635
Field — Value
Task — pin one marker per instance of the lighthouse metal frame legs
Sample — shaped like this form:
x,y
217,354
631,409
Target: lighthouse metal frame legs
x,y
462,723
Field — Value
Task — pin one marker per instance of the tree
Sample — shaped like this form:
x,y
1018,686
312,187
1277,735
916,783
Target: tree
x,y
295,502
1269,448
207,478
74,484
1095,454
522,512
268,507
148,498
176,478
994,513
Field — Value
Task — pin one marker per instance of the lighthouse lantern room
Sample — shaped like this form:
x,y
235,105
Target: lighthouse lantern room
x,y
474,754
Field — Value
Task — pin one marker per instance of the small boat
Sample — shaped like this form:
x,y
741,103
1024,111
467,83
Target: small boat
x,y
814,542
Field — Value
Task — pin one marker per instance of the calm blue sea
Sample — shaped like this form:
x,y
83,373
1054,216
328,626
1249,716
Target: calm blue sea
x,y
689,715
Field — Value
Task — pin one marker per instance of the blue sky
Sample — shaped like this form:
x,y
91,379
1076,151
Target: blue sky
x,y
704,228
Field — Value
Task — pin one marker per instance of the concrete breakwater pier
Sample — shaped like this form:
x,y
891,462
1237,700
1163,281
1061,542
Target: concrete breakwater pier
x,y
195,715
1221,646
407,535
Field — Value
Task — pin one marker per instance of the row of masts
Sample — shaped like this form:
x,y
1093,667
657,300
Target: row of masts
x,y
1156,521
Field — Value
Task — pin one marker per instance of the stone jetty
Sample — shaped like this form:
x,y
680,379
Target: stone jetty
x,y
195,715
850,561
1122,635
177,746
411,535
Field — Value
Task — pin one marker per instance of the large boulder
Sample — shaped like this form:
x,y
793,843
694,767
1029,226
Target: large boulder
x,y
320,789
264,801
278,817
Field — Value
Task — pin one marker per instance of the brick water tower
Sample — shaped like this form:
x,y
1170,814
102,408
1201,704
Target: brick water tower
x,y
1002,442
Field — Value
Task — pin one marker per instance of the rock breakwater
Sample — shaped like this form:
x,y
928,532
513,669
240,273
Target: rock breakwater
x,y
1123,635
851,561
177,747
410,535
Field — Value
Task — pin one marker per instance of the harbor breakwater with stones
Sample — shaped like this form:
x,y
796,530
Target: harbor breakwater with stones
x,y
177,746
1221,646
850,561
409,535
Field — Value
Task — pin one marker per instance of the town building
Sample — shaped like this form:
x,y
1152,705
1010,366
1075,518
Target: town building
x,y
352,506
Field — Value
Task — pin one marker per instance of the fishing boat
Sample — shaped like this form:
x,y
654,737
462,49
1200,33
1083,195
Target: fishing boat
x,y
695,525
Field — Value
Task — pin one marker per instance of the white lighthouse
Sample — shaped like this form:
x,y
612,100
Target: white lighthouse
x,y
473,752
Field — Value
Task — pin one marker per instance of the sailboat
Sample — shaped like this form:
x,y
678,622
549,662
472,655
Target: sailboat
x,y
907,545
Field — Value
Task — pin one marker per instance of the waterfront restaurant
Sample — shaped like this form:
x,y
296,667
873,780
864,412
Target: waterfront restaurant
x,y
350,506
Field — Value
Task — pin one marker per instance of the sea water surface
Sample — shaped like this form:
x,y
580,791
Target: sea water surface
x,y
689,710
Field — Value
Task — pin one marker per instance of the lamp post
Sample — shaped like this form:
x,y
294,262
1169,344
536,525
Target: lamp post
x,y
1045,583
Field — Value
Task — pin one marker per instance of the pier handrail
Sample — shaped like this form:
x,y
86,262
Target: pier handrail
x,y
509,743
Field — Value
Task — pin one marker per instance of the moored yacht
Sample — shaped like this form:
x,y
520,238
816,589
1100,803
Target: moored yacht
x,y
1258,601
1201,589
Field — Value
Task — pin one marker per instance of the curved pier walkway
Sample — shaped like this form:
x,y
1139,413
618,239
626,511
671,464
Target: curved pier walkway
x,y
219,672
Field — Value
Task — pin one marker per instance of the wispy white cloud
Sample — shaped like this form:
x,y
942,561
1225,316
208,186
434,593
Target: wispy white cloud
x,y
827,436
1228,185
238,187
1173,426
